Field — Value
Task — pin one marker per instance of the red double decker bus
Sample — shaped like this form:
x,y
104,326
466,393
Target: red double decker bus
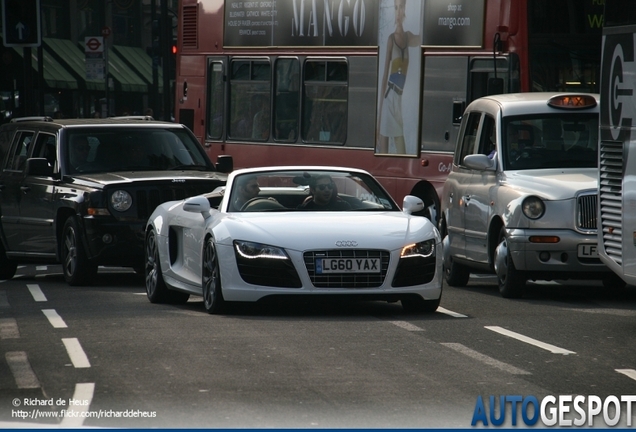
x,y
374,84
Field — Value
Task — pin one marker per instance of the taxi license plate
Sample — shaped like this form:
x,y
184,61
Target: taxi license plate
x,y
587,251
347,265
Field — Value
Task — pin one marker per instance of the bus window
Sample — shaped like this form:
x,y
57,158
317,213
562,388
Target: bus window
x,y
286,99
216,95
325,102
250,84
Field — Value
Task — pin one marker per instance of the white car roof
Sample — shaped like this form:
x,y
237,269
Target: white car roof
x,y
296,168
513,104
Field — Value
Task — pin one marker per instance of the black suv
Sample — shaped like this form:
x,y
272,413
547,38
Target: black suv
x,y
78,192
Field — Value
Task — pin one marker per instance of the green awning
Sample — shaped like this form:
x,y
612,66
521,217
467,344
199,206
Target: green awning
x,y
140,62
124,76
55,75
66,52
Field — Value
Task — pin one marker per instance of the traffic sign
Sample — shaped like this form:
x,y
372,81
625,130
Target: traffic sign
x,y
21,23
94,44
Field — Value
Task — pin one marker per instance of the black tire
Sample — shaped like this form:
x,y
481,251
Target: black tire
x,y
7,267
455,274
416,304
512,282
156,288
613,284
78,269
211,280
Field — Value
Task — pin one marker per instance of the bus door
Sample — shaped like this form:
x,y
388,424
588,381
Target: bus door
x,y
216,89
444,96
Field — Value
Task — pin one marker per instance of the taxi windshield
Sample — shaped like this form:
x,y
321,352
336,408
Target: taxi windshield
x,y
554,141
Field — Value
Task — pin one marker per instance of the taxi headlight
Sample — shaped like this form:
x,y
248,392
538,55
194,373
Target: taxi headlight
x,y
251,250
423,249
533,207
121,200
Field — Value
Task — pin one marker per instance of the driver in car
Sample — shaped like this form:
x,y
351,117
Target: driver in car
x,y
79,151
246,188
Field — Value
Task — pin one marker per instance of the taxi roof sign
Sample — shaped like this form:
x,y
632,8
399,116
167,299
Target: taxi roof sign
x,y
581,101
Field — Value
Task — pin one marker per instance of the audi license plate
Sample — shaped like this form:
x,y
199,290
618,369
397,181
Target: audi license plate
x,y
347,265
587,251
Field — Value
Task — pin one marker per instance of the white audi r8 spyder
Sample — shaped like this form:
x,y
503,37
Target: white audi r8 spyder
x,y
294,231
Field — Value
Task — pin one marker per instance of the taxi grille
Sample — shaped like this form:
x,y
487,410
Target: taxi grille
x,y
347,280
586,212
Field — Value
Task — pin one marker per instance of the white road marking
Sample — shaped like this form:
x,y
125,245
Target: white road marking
x,y
36,292
76,353
84,395
451,313
54,318
21,369
406,326
552,348
485,359
631,373
4,302
9,328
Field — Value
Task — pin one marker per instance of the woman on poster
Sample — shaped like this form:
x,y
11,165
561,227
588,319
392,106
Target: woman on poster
x,y
396,64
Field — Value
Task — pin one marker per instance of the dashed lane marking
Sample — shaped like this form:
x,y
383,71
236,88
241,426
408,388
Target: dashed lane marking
x,y
406,326
21,369
54,318
36,292
84,393
451,313
546,346
9,328
76,353
631,373
485,359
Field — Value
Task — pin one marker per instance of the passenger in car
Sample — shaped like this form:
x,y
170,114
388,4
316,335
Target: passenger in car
x,y
324,196
79,151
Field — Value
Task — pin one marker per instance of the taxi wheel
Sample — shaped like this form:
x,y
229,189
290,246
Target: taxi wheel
x,y
78,269
612,283
455,274
212,293
156,288
511,281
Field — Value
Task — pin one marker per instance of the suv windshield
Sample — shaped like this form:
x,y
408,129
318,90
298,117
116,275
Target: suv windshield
x,y
555,141
96,150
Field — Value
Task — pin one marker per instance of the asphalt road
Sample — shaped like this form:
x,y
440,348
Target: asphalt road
x,y
103,356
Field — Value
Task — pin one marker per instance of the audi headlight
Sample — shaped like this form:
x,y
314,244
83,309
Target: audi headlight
x,y
121,200
423,249
533,207
251,250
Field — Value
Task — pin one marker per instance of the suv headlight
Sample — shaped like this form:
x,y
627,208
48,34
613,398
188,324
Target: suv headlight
x,y
423,249
250,250
533,207
121,200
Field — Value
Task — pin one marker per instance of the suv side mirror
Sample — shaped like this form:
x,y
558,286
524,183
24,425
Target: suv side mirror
x,y
39,167
224,163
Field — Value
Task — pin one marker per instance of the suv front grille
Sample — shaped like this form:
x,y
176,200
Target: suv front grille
x,y
347,280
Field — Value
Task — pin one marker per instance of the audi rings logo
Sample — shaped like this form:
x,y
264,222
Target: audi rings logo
x,y
346,243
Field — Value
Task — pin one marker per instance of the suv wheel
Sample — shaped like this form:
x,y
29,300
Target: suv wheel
x,y
7,267
78,269
511,281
